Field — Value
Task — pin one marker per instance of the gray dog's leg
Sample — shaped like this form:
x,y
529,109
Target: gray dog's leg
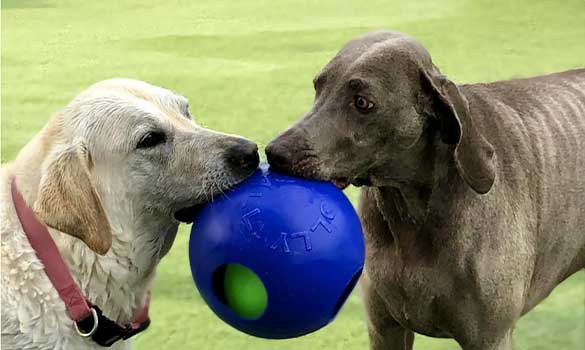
x,y
385,333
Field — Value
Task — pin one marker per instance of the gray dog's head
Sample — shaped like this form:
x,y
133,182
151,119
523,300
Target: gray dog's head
x,y
380,112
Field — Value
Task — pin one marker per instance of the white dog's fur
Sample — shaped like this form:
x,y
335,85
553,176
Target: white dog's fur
x,y
120,206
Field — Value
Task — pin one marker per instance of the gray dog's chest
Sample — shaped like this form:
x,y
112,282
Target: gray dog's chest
x,y
413,298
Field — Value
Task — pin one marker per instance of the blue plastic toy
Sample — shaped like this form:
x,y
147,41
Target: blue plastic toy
x,y
301,238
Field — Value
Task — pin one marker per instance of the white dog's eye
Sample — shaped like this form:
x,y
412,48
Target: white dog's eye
x,y
362,104
151,139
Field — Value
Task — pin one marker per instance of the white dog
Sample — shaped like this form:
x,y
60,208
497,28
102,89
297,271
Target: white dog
x,y
112,175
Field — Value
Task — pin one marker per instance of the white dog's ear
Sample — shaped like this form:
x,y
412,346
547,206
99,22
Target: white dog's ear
x,y
68,200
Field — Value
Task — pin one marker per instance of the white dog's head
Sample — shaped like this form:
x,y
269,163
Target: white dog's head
x,y
124,162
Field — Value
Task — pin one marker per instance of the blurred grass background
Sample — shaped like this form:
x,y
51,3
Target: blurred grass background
x,y
246,67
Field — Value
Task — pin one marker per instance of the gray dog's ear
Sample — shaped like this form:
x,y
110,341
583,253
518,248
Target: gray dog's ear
x,y
474,155
68,201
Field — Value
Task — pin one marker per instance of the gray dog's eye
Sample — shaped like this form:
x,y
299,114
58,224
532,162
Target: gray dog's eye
x,y
319,81
151,139
362,104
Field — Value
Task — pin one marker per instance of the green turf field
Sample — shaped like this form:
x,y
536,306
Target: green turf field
x,y
247,67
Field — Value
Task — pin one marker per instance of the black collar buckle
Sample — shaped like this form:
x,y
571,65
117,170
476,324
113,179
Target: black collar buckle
x,y
104,331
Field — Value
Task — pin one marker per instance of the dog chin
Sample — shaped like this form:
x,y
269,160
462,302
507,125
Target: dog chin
x,y
187,215
343,182
362,181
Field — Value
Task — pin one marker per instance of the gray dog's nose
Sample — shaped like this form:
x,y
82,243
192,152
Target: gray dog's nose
x,y
243,156
278,156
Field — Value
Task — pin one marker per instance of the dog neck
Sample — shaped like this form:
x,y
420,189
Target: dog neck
x,y
113,281
116,282
407,204
414,210
405,198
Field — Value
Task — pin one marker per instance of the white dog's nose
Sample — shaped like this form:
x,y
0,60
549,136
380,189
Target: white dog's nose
x,y
243,156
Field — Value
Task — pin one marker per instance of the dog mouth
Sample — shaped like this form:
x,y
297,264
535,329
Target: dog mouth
x,y
343,182
361,181
187,215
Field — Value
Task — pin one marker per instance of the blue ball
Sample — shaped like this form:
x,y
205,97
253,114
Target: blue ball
x,y
302,238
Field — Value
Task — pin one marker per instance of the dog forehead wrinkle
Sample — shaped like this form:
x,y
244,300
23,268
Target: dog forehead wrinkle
x,y
164,99
180,122
386,50
153,110
136,88
113,121
366,58
172,108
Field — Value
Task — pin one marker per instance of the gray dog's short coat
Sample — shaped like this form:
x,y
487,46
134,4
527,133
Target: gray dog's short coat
x,y
474,208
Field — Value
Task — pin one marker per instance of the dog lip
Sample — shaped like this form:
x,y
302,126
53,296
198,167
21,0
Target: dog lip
x,y
341,182
361,181
187,215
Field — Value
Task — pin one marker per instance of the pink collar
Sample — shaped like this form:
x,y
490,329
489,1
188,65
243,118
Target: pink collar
x,y
88,319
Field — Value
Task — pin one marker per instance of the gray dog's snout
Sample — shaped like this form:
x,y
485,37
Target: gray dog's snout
x,y
279,156
243,156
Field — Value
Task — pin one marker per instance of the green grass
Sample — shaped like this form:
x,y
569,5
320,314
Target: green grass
x,y
247,68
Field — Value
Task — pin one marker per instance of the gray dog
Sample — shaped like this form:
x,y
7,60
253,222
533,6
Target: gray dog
x,y
474,201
